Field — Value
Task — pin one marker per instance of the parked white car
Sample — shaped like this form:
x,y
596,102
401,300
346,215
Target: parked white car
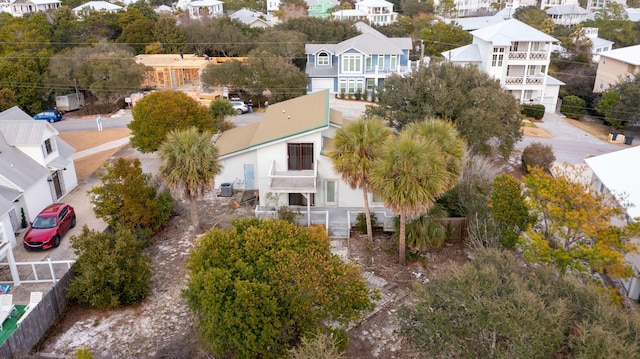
x,y
240,107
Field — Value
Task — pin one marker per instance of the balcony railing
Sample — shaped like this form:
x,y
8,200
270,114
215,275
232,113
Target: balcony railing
x,y
537,55
303,181
519,80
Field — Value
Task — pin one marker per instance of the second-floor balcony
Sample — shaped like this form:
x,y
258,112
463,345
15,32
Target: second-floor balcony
x,y
524,80
534,55
299,181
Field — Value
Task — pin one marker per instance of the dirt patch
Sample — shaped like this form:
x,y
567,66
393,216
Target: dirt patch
x,y
83,140
594,127
533,131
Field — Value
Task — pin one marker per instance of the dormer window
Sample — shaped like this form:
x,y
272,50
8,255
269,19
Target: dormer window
x,y
323,59
47,147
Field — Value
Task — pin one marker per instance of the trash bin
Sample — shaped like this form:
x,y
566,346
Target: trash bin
x,y
612,136
628,140
226,190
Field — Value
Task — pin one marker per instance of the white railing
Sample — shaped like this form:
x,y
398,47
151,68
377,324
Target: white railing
x,y
42,271
387,220
293,175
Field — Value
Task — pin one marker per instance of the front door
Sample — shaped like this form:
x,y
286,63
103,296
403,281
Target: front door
x,y
57,184
330,189
249,177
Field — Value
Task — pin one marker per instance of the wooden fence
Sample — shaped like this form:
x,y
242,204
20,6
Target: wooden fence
x,y
36,324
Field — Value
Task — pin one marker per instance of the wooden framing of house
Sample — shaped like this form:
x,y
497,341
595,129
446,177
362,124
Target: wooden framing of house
x,y
176,71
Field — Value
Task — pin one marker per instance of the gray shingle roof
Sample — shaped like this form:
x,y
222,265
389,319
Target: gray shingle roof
x,y
370,42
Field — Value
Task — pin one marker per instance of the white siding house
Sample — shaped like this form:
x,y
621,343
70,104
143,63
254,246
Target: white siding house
x,y
36,166
617,174
378,12
516,54
283,158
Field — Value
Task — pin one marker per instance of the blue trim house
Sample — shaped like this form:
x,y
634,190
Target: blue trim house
x,y
358,64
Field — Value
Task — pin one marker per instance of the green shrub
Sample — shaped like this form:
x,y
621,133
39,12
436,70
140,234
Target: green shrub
x,y
358,95
342,94
285,213
538,155
111,270
573,106
361,222
535,111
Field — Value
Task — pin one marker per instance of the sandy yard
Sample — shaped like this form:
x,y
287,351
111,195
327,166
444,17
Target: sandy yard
x,y
83,140
163,327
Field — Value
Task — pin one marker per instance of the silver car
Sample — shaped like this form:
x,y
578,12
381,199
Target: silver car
x,y
240,107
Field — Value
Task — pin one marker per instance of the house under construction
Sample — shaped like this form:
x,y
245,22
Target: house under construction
x,y
177,71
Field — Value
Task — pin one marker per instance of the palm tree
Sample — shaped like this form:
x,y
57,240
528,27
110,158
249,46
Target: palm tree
x,y
189,165
357,145
415,169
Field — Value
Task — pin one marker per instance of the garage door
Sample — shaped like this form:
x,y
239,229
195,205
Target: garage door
x,y
321,84
550,104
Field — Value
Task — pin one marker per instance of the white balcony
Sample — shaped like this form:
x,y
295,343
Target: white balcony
x,y
304,181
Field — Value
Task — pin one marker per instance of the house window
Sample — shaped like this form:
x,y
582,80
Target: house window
x,y
351,85
601,187
368,63
48,147
371,83
330,190
376,199
535,46
300,156
297,199
531,71
351,63
601,84
380,62
393,59
528,94
514,46
498,56
323,59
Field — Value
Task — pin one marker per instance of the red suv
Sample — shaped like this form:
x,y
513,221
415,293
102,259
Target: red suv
x,y
49,226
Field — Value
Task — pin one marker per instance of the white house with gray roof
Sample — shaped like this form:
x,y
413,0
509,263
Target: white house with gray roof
x,y
36,166
517,55
20,8
378,12
616,174
251,18
99,6
358,64
567,15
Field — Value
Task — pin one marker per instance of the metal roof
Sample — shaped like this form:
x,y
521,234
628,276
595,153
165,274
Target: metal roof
x,y
619,172
629,54
512,30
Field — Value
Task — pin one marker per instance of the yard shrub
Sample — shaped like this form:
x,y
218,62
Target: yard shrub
x,y
538,155
358,95
361,222
573,106
111,270
535,111
496,307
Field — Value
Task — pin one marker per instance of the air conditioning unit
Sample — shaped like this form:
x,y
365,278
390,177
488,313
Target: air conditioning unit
x,y
226,190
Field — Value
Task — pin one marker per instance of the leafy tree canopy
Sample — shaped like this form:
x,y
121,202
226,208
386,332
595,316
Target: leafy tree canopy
x,y
495,307
287,44
111,270
535,17
7,99
160,112
221,37
127,197
575,229
440,36
482,111
321,30
620,104
108,71
613,24
259,286
508,208
260,73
